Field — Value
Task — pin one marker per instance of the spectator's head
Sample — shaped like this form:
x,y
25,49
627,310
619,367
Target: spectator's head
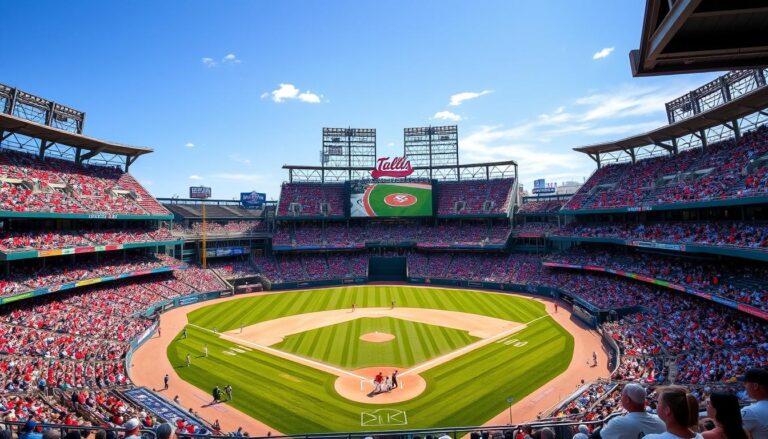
x,y
633,397
52,433
756,383
677,408
132,427
723,407
546,433
164,431
29,426
72,434
100,434
583,429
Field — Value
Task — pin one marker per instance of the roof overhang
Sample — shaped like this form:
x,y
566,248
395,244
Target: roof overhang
x,y
687,36
54,135
738,108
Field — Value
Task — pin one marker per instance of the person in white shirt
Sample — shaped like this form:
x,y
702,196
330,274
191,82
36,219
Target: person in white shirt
x,y
635,424
680,412
755,416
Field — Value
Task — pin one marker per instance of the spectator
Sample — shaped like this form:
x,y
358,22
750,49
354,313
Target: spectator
x,y
636,423
680,412
29,431
164,431
132,429
723,407
755,416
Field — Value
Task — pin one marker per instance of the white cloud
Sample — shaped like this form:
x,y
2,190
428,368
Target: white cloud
x,y
628,101
230,58
309,97
447,115
195,177
208,62
458,98
542,145
289,92
603,53
236,158
189,145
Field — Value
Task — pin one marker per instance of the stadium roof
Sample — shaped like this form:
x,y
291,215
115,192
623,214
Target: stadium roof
x,y
726,113
685,36
32,129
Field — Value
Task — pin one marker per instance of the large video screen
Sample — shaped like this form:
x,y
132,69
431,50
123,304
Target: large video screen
x,y
390,199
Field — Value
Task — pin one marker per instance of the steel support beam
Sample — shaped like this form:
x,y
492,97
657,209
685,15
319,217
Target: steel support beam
x,y
676,17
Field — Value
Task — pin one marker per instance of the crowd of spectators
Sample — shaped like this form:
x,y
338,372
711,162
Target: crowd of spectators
x,y
41,274
311,200
743,282
233,269
241,227
77,341
303,267
728,169
32,184
51,239
540,207
707,343
473,197
535,228
731,234
474,233
480,267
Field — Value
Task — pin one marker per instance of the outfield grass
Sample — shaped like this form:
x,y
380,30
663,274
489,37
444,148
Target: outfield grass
x,y
294,398
340,344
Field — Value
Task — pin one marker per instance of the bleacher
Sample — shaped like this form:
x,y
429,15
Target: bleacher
x,y
730,169
475,197
311,200
32,184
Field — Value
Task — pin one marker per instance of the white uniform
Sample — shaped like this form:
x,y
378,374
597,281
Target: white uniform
x,y
633,425
755,419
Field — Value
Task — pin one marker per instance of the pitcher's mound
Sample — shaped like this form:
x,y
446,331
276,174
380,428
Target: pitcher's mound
x,y
377,337
355,389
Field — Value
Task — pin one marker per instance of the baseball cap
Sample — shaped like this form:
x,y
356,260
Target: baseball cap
x,y
635,392
756,375
132,424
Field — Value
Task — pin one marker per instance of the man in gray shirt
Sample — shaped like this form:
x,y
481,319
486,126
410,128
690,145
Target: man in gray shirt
x,y
635,424
755,416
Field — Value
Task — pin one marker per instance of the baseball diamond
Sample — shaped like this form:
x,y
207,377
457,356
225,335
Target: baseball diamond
x,y
288,395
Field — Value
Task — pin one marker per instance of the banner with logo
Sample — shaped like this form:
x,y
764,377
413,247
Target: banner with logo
x,y
253,200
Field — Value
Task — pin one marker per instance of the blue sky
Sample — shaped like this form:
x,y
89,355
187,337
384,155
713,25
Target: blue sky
x,y
227,92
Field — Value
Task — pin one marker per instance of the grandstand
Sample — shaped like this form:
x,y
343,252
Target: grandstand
x,y
88,258
662,252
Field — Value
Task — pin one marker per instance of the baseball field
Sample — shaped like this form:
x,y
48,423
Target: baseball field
x,y
473,350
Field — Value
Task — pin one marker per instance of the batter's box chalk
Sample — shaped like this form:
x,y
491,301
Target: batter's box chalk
x,y
382,417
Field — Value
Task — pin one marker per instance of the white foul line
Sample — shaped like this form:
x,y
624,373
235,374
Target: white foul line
x,y
473,346
283,354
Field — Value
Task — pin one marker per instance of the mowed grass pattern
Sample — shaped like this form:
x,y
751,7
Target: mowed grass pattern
x,y
294,399
340,344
